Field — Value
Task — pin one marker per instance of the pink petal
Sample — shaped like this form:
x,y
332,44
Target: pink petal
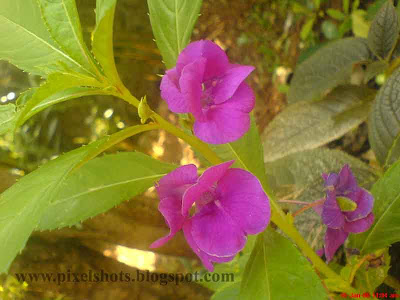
x,y
175,183
360,225
224,124
171,93
365,203
170,208
243,99
191,86
227,84
332,216
216,233
244,200
217,61
332,179
204,257
334,238
347,180
206,181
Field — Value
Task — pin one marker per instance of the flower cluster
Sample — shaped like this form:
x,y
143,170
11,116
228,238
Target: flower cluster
x,y
206,85
228,204
347,209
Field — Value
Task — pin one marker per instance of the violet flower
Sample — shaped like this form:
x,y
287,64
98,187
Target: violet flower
x,y
206,85
341,191
229,205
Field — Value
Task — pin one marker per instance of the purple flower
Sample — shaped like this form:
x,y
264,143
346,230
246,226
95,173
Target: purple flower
x,y
228,205
206,85
341,191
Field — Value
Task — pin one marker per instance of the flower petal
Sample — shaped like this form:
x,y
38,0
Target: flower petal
x,y
206,181
360,225
332,216
227,84
242,197
217,61
347,181
204,257
334,238
175,183
170,207
224,124
171,93
365,203
243,99
191,86
331,179
216,233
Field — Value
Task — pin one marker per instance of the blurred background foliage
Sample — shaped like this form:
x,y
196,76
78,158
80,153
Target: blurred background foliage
x,y
273,35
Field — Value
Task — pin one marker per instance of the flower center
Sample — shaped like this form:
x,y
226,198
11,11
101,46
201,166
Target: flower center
x,y
207,87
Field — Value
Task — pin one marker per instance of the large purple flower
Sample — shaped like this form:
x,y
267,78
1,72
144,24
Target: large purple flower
x,y
229,204
206,85
341,191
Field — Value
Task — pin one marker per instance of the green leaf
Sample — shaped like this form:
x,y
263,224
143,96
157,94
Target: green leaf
x,y
373,69
27,43
360,25
386,227
172,22
384,30
55,90
64,95
87,192
329,67
230,292
335,14
346,6
330,30
102,44
303,126
62,20
7,118
277,270
307,28
384,121
22,205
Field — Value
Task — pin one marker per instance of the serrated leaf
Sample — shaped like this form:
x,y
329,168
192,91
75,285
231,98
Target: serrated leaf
x,y
386,227
102,44
22,205
27,43
172,22
384,30
7,117
298,177
277,270
384,120
329,67
53,91
62,20
304,126
87,192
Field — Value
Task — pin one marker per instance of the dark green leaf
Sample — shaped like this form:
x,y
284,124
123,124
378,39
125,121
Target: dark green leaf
x,y
27,43
172,22
22,205
87,192
384,30
384,120
329,67
386,227
102,45
62,20
303,126
277,270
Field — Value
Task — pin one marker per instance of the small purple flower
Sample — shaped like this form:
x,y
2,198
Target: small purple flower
x,y
342,188
206,85
229,205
